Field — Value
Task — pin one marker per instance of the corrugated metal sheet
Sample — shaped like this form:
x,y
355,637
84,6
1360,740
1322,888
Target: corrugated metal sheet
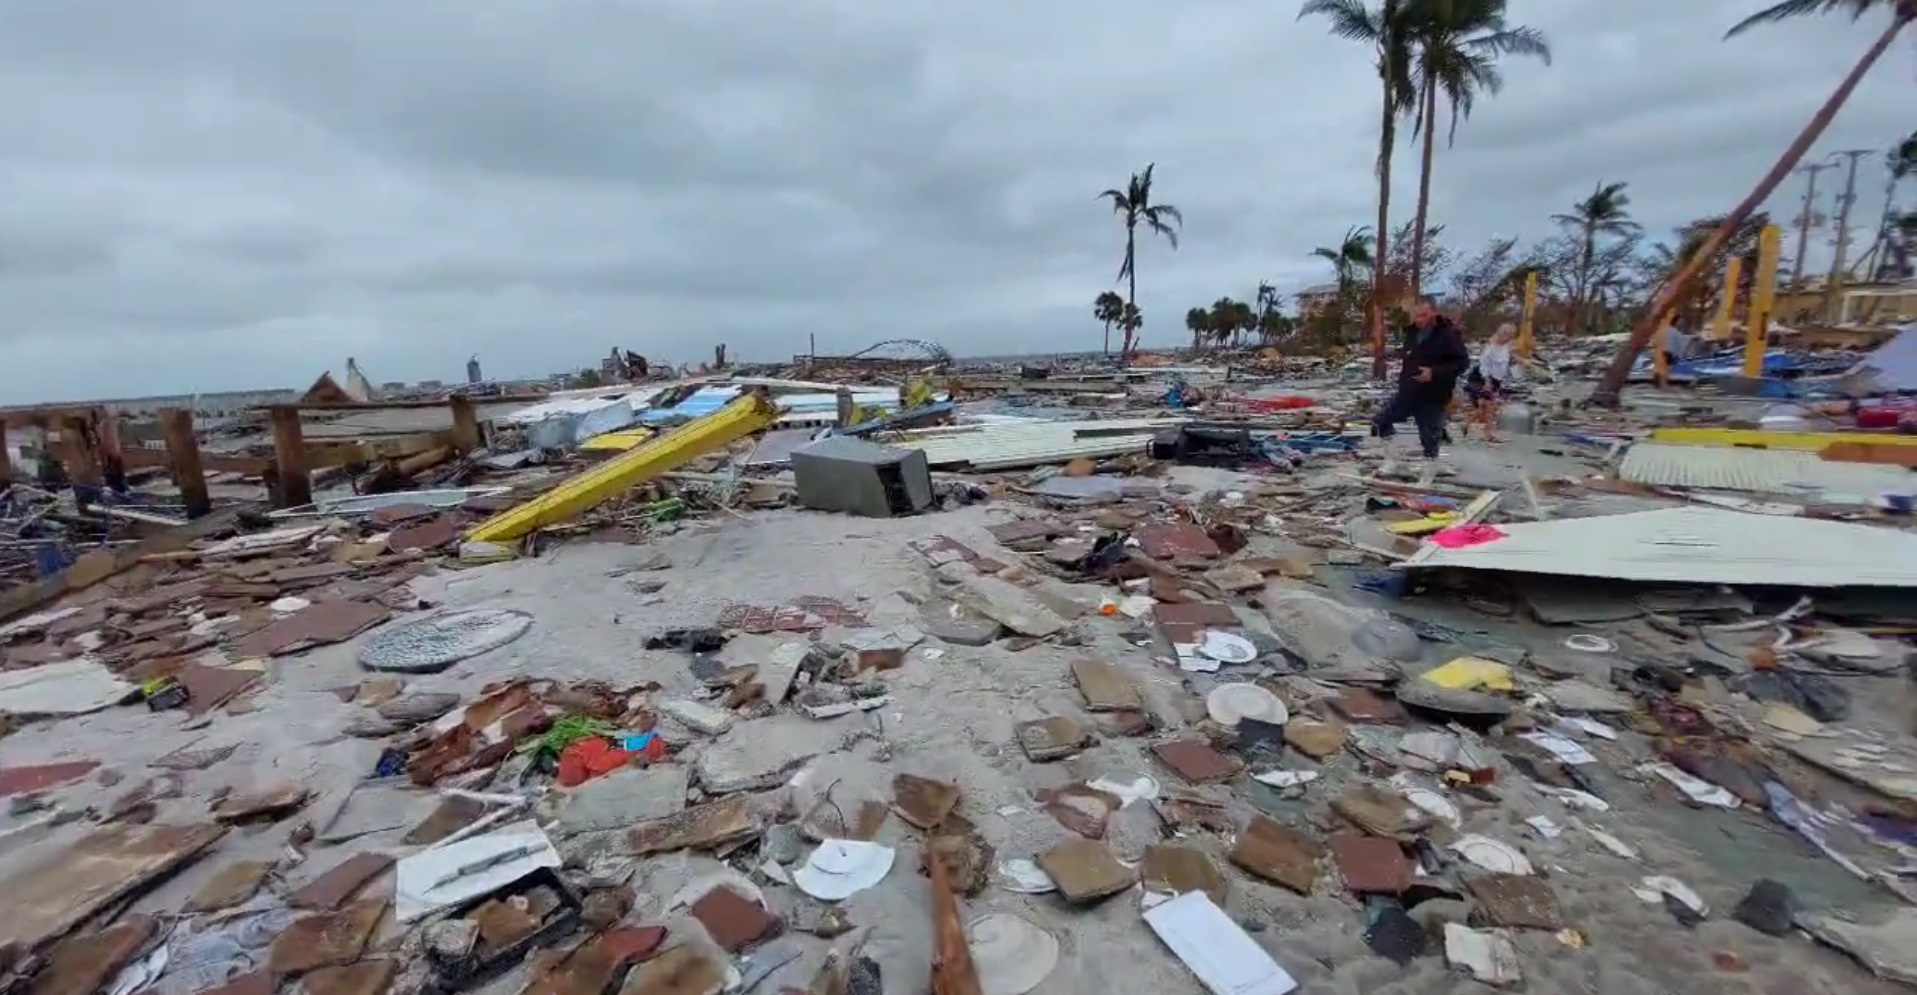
x,y
1005,447
1694,546
1761,471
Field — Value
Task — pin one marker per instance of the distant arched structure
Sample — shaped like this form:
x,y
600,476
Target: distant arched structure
x,y
903,351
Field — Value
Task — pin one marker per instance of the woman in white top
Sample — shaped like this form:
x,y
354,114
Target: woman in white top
x,y
1485,384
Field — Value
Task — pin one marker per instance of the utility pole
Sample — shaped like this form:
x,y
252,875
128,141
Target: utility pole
x,y
1834,288
1804,219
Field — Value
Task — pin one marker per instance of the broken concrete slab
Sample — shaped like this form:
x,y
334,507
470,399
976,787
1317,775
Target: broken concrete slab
x,y
1085,871
1014,607
1052,738
697,716
953,623
340,882
624,797
82,964
1174,870
231,885
327,939
760,753
706,827
1105,687
922,801
1278,853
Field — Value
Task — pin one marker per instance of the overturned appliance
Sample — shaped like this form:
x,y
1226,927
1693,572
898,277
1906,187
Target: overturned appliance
x,y
861,478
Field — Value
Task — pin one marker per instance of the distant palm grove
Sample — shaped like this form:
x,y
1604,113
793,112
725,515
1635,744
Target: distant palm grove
x,y
1597,270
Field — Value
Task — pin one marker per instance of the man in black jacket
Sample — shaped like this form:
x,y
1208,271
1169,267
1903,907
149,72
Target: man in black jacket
x,y
1433,357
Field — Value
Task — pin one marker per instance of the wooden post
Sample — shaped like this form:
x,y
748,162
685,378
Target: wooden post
x,y
1763,294
845,408
183,458
465,425
6,458
289,460
1527,318
76,451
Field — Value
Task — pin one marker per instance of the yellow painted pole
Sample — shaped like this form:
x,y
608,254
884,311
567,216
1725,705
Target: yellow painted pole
x,y
1721,325
1763,296
1525,317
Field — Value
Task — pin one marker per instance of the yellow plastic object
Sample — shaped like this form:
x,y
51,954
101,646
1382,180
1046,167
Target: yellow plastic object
x,y
1424,526
1809,442
663,454
1468,673
616,442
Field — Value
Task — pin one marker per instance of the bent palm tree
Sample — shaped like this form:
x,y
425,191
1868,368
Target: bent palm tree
x,y
1381,29
1134,205
1455,47
1902,13
1607,211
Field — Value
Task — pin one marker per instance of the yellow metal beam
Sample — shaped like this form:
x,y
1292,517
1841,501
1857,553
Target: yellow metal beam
x,y
664,453
1763,293
1526,317
1757,439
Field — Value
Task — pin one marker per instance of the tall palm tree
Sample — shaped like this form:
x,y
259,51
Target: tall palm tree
x,y
1455,47
1351,259
1606,212
1381,29
1902,13
1134,205
1108,307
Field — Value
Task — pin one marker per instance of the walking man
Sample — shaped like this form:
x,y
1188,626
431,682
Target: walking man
x,y
1432,357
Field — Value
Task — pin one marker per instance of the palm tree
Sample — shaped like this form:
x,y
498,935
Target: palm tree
x,y
1607,211
1380,29
1352,257
1455,47
1902,13
1129,322
1198,322
1108,307
1134,205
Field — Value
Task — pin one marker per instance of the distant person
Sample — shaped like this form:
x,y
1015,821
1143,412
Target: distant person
x,y
1484,385
1432,356
1667,347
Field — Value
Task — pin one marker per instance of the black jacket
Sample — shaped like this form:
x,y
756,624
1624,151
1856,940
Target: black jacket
x,y
1442,349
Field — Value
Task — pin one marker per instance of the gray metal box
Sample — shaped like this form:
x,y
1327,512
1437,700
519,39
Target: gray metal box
x,y
861,478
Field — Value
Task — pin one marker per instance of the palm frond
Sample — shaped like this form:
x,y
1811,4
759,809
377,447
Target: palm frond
x,y
1349,19
1789,9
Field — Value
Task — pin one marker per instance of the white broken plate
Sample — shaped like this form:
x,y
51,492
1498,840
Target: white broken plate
x,y
1226,647
1697,789
1492,855
1286,778
1429,799
1228,703
1023,875
839,869
1011,954
1654,888
1488,954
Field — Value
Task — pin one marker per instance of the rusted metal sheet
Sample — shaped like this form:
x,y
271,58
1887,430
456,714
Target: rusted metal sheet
x,y
47,901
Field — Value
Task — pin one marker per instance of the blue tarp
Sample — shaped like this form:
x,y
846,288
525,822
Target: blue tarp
x,y
1892,368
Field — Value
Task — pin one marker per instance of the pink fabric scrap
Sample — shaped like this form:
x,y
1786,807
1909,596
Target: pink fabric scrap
x,y
1460,536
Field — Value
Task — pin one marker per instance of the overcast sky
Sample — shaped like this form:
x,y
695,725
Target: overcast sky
x,y
206,195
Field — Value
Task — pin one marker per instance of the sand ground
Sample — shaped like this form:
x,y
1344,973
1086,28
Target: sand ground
x,y
951,717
